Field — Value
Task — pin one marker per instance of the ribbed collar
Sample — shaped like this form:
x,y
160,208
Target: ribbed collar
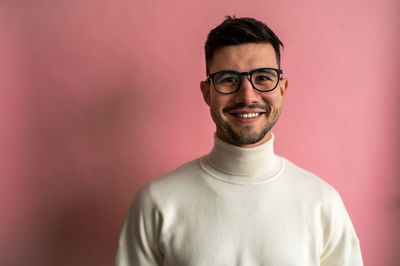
x,y
242,165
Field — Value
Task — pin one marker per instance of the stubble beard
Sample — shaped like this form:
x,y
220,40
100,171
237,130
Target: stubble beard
x,y
245,136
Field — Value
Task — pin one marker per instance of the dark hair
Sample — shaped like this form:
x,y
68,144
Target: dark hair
x,y
235,31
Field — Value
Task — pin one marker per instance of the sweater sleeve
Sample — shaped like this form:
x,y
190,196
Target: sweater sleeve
x,y
341,246
138,241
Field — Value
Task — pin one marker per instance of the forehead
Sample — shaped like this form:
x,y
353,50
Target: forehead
x,y
243,57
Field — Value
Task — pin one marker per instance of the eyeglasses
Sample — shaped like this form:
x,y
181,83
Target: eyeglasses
x,y
262,79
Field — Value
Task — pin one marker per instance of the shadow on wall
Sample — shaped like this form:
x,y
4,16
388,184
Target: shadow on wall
x,y
79,166
396,210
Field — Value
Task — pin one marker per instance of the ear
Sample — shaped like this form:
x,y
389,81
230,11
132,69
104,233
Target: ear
x,y
205,90
283,86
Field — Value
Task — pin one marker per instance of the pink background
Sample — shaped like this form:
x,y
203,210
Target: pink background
x,y
99,97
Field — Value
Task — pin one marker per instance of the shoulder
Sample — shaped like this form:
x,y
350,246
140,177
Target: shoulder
x,y
310,185
320,198
174,185
176,178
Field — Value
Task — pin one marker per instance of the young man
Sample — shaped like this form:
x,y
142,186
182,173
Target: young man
x,y
241,204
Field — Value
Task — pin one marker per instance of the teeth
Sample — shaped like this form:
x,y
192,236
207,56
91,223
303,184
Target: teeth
x,y
250,115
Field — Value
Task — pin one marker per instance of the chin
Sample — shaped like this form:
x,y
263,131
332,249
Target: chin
x,y
241,138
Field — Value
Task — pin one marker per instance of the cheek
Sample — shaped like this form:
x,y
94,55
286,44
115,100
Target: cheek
x,y
273,99
219,101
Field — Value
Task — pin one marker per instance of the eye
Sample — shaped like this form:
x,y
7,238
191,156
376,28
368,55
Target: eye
x,y
262,78
227,78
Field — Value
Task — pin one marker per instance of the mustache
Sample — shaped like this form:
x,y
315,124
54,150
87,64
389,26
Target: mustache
x,y
239,106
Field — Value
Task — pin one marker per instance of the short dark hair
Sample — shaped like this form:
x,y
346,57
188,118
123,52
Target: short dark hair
x,y
235,31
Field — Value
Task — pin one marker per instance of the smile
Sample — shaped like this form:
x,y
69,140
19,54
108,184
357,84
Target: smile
x,y
248,115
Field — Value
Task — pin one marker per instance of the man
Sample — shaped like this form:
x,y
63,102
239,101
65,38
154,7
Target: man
x,y
241,204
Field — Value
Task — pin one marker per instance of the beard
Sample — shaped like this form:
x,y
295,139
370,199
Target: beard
x,y
245,135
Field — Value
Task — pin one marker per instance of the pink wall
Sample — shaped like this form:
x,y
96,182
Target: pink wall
x,y
99,97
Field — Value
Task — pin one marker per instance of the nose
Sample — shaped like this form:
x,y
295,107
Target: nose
x,y
246,93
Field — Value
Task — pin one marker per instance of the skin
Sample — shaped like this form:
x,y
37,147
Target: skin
x,y
244,132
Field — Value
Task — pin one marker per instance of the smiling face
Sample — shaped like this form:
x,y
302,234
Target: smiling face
x,y
245,117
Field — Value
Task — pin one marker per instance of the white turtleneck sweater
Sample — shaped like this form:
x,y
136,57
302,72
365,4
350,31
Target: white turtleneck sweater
x,y
238,206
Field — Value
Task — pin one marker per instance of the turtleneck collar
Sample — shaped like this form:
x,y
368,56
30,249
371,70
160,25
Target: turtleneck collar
x,y
242,165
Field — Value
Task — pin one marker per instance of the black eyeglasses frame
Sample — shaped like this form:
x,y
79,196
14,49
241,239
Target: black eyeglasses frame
x,y
249,73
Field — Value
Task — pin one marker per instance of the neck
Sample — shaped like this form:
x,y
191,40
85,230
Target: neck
x,y
243,165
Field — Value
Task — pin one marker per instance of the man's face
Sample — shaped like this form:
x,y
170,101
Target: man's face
x,y
245,117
